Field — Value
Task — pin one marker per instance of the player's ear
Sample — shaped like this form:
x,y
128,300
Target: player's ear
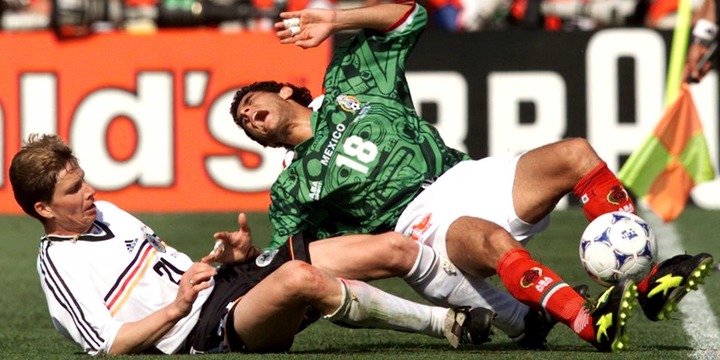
x,y
286,92
43,209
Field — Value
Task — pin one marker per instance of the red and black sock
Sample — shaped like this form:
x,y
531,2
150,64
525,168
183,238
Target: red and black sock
x,y
600,192
537,286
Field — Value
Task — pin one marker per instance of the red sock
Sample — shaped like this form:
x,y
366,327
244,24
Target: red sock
x,y
601,192
537,286
643,284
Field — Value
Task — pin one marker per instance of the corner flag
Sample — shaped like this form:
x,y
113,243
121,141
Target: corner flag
x,y
671,161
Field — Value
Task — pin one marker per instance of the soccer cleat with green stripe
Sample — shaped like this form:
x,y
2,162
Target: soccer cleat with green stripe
x,y
612,310
671,280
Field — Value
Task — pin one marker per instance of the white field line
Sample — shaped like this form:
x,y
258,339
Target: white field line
x,y
698,319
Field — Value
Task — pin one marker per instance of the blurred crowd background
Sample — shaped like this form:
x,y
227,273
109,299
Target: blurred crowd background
x,y
73,18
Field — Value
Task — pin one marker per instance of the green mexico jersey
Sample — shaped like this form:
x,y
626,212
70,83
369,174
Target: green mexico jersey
x,y
370,153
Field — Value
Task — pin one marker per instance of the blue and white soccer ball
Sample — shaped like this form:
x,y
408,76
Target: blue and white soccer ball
x,y
616,246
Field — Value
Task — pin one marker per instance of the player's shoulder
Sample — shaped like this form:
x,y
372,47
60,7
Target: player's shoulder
x,y
415,19
107,210
105,205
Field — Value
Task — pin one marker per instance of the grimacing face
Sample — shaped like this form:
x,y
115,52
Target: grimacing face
x,y
72,209
264,114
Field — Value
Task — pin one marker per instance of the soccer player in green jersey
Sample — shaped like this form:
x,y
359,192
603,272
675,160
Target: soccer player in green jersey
x,y
366,163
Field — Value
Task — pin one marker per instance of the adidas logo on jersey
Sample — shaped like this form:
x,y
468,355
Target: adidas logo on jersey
x,y
130,245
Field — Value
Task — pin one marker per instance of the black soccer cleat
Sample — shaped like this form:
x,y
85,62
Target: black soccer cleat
x,y
479,329
466,326
538,325
610,314
583,290
671,280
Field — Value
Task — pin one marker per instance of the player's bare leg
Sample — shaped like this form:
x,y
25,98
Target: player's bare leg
x,y
545,174
373,257
365,257
267,318
476,245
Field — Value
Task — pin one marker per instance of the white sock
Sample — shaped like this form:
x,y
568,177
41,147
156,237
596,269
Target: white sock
x,y
369,307
437,279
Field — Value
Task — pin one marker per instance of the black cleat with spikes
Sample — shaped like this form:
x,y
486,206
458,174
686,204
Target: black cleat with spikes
x,y
538,325
671,280
610,314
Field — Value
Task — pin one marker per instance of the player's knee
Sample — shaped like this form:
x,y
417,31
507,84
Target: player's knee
x,y
300,278
579,147
502,240
400,252
578,155
476,245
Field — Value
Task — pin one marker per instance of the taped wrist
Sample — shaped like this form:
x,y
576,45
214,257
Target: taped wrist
x,y
704,32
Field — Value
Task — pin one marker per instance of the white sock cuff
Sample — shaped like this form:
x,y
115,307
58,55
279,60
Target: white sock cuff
x,y
340,312
423,265
417,262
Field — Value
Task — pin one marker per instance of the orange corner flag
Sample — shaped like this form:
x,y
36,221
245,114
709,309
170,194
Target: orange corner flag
x,y
672,160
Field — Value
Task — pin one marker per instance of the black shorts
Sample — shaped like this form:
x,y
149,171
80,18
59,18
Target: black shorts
x,y
232,282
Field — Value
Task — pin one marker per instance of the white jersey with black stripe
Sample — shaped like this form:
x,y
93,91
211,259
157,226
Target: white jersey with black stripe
x,y
117,272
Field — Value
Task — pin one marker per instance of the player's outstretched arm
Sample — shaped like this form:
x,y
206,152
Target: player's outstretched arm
x,y
233,247
137,336
310,27
704,40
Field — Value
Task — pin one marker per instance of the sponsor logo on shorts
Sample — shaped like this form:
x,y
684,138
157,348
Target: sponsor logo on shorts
x,y
266,258
617,195
418,229
530,277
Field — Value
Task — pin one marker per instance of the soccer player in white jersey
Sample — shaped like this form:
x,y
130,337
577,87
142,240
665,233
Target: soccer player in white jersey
x,y
114,287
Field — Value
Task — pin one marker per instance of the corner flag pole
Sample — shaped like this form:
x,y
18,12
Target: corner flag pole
x,y
678,51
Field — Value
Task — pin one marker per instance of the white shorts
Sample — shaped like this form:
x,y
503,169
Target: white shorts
x,y
477,188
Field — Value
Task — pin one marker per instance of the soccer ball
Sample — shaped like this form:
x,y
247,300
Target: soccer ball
x,y
616,246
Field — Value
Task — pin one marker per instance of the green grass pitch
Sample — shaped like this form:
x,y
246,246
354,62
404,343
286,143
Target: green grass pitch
x,y
26,331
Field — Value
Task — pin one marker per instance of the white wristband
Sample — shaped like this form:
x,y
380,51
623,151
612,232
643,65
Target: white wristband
x,y
705,30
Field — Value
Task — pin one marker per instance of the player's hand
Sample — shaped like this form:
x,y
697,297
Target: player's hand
x,y
691,73
195,279
233,247
310,29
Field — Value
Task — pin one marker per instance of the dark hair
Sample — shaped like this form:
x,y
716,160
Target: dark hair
x,y
300,95
35,168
